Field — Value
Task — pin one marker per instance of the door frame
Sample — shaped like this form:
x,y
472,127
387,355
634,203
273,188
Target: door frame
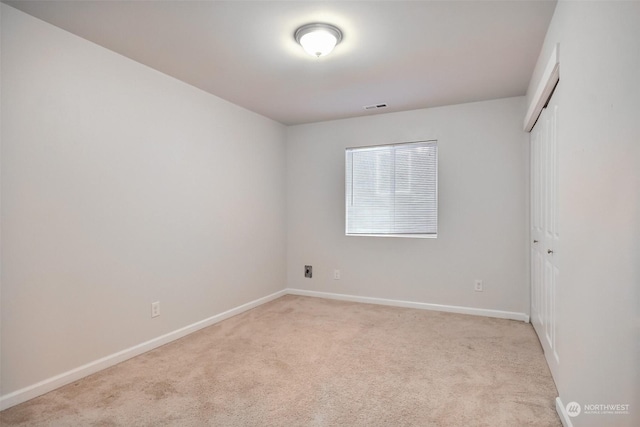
x,y
547,84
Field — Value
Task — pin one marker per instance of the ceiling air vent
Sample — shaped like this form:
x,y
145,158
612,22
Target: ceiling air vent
x,y
375,106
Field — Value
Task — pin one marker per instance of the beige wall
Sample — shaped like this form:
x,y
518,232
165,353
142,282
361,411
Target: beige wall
x,y
122,186
483,209
598,336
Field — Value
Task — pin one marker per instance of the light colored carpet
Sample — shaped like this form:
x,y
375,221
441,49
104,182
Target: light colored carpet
x,y
300,361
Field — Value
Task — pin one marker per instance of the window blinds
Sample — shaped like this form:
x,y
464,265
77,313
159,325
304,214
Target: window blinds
x,y
392,190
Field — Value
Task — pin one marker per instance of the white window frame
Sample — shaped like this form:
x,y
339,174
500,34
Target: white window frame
x,y
349,192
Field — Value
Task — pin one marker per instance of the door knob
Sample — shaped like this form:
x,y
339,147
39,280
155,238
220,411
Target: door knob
x,y
535,241
549,251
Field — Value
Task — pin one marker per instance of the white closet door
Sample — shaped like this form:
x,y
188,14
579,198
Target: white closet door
x,y
544,231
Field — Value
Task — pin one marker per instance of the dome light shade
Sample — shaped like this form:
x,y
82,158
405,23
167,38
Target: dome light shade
x,y
318,39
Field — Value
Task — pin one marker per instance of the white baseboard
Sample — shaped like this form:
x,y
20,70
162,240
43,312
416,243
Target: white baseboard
x,y
68,377
562,413
410,304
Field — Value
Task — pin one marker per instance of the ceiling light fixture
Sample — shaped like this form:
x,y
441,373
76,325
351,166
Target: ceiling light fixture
x,y
318,39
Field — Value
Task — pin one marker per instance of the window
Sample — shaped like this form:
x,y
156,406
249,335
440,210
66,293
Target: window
x,y
392,190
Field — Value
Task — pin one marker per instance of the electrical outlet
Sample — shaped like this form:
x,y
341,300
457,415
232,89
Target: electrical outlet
x,y
478,287
308,271
336,274
155,309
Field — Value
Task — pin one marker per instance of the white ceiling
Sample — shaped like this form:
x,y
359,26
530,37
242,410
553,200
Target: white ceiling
x,y
408,54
